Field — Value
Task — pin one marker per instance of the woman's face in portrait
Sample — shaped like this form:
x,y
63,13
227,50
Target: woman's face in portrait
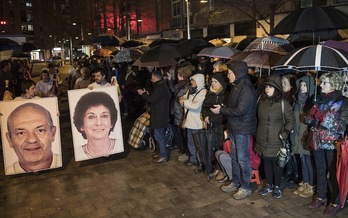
x,y
269,90
31,90
97,122
286,84
215,84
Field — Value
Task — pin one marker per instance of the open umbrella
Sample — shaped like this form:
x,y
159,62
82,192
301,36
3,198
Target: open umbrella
x,y
342,172
163,41
315,57
218,52
138,63
132,43
108,40
164,55
217,42
7,44
312,20
196,45
270,43
336,44
259,58
127,55
102,52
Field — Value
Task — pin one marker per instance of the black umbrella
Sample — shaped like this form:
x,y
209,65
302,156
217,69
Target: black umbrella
x,y
315,57
312,20
164,55
25,47
132,43
108,40
7,44
163,41
196,45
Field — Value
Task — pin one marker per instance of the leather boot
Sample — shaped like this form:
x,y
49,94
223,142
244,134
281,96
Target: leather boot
x,y
308,192
317,202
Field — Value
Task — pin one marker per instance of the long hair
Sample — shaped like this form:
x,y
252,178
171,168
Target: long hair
x,y
276,97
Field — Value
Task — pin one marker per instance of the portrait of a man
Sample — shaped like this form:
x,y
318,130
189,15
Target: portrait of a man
x,y
95,122
31,132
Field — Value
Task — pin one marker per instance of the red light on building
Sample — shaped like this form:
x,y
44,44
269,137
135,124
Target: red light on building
x,y
2,22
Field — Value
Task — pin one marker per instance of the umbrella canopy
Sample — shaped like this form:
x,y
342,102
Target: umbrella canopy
x,y
217,42
163,41
311,20
218,52
24,48
245,42
151,64
260,58
7,44
108,40
336,44
127,55
342,172
132,43
315,57
143,47
270,43
165,55
80,54
196,45
103,52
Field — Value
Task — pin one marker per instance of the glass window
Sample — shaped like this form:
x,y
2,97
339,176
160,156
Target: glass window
x,y
30,27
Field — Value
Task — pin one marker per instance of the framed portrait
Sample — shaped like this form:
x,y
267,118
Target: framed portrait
x,y
30,134
95,122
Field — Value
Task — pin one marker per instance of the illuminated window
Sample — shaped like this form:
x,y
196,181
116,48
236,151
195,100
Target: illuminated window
x,y
176,13
30,27
28,4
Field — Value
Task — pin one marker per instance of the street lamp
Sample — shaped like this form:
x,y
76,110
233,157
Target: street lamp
x,y
188,19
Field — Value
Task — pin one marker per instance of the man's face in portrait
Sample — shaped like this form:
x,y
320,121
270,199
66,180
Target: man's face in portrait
x,y
98,77
31,136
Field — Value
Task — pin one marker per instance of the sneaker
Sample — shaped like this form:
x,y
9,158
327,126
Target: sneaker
x,y
190,164
198,170
277,193
266,190
229,188
241,194
301,187
331,210
183,158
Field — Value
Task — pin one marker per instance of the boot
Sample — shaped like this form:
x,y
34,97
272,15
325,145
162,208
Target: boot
x,y
308,192
301,187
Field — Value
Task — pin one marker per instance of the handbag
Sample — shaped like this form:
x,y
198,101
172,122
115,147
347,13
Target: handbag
x,y
310,139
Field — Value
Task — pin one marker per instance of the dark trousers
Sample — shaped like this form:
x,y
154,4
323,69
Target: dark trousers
x,y
325,162
273,171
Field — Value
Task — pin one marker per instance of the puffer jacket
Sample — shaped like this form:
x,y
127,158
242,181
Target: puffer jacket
x,y
271,123
194,103
299,105
334,120
241,106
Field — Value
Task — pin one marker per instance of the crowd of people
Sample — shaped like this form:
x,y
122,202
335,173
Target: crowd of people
x,y
203,96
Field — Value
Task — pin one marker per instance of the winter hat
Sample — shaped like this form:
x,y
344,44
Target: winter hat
x,y
221,78
158,74
238,68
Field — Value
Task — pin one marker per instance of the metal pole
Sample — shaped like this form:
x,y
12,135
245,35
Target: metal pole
x,y
188,18
81,31
71,51
128,29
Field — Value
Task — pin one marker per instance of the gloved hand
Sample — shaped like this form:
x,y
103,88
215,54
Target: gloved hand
x,y
316,113
284,134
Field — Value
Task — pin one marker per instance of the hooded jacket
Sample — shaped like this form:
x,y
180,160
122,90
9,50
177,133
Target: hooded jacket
x,y
241,106
270,120
194,102
299,105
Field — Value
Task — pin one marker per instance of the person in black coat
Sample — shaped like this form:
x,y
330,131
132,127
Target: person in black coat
x,y
159,101
241,118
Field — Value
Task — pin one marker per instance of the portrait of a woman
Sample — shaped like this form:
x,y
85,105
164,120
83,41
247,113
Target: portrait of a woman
x,y
95,117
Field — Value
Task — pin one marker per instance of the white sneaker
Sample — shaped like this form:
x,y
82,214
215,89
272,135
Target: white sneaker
x,y
183,158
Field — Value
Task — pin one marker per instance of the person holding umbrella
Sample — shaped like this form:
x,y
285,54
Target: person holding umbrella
x,y
329,115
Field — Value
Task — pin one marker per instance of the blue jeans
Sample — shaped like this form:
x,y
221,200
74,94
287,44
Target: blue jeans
x,y
225,162
307,169
241,168
191,145
161,140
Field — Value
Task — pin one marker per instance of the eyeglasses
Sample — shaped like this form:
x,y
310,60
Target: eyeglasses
x,y
325,82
